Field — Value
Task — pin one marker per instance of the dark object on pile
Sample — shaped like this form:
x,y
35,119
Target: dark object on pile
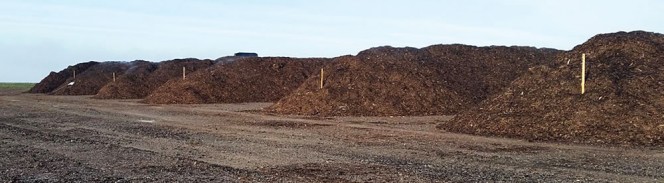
x,y
246,54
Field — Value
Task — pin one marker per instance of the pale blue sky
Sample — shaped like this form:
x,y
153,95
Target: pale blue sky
x,y
37,37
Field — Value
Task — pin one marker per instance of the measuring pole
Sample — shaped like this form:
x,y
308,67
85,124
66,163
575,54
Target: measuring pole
x,y
184,73
583,73
74,74
321,78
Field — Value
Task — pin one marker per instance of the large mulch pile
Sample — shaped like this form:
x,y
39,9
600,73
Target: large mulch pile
x,y
253,79
143,78
54,80
91,80
623,103
387,81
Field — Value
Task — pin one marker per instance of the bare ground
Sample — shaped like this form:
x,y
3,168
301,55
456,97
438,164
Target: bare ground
x,y
74,138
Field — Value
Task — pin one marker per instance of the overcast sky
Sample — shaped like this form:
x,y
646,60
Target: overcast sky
x,y
37,37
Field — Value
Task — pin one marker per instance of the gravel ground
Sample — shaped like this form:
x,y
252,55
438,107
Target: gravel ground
x,y
74,138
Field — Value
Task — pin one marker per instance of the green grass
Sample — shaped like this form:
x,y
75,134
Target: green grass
x,y
16,86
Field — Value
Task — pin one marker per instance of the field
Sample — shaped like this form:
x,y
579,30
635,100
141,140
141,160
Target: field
x,y
15,87
25,86
75,138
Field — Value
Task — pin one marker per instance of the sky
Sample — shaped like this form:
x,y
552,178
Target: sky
x,y
40,36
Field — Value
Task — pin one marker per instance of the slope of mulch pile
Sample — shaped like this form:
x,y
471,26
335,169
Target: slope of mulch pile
x,y
259,79
142,79
132,84
54,80
623,103
387,81
478,72
91,80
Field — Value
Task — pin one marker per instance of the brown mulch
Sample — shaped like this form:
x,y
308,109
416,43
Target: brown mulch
x,y
623,103
91,80
140,80
132,84
253,79
387,81
55,79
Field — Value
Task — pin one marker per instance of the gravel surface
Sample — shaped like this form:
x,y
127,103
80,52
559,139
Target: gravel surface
x,y
74,138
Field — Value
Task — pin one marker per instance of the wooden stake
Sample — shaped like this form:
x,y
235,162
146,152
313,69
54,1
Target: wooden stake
x,y
321,78
74,74
114,77
184,71
583,73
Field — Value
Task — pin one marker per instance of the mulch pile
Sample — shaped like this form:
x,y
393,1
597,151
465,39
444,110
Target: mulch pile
x,y
144,77
131,84
252,79
387,81
91,80
54,80
623,103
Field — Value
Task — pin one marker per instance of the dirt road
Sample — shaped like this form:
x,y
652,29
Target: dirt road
x,y
74,138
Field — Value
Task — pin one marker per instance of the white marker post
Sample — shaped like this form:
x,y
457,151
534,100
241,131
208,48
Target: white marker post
x,y
321,78
114,77
583,73
184,71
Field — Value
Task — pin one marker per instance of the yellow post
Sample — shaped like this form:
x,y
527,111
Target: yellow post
x,y
321,78
583,73
184,73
